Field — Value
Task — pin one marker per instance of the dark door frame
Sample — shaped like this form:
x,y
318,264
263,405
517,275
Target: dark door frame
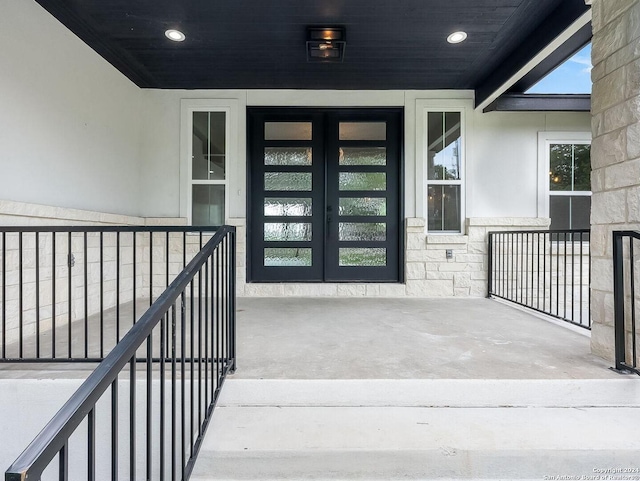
x,y
255,214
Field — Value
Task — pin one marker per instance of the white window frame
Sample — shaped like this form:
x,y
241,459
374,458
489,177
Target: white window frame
x,y
187,108
545,139
423,108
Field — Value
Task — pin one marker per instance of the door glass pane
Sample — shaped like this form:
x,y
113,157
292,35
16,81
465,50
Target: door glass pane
x,y
363,156
287,156
363,206
287,181
208,146
363,181
362,257
443,145
363,131
208,205
287,206
287,131
362,231
444,208
289,231
287,257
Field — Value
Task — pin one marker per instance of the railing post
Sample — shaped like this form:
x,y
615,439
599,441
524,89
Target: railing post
x,y
490,264
618,297
232,299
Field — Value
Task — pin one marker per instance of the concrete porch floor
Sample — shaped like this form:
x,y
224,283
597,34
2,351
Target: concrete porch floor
x,y
323,338
386,338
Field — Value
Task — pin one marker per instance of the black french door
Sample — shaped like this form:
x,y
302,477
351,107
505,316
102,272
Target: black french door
x,y
324,195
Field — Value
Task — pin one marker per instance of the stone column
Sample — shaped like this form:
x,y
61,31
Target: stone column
x,y
615,150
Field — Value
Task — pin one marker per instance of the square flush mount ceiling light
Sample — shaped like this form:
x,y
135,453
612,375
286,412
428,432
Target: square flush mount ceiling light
x,y
326,44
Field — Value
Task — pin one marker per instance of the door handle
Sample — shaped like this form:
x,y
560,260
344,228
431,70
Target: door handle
x,y
329,219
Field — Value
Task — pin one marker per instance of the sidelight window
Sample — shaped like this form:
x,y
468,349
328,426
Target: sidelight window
x,y
444,171
208,153
208,168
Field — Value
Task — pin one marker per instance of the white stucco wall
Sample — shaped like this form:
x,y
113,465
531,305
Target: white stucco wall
x,y
70,123
502,147
502,162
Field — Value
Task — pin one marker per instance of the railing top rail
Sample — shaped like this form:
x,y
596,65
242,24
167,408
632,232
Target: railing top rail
x,y
37,456
110,228
542,231
626,233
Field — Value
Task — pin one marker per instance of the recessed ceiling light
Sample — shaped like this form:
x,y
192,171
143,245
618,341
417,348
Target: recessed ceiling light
x,y
175,35
457,37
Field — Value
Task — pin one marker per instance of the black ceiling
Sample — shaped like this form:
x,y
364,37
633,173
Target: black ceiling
x,y
397,44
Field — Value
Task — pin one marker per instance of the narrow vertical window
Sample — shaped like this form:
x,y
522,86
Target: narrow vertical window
x,y
444,171
208,168
569,185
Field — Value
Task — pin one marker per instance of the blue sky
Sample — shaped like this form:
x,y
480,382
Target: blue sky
x,y
571,77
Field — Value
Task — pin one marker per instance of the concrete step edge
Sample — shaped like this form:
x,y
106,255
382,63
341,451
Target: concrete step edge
x,y
433,392
424,465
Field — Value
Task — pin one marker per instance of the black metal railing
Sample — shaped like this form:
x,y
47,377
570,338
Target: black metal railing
x,y
547,271
70,293
190,329
625,299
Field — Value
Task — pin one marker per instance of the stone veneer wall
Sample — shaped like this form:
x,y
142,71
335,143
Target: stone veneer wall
x,y
431,274
22,214
615,150
427,270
